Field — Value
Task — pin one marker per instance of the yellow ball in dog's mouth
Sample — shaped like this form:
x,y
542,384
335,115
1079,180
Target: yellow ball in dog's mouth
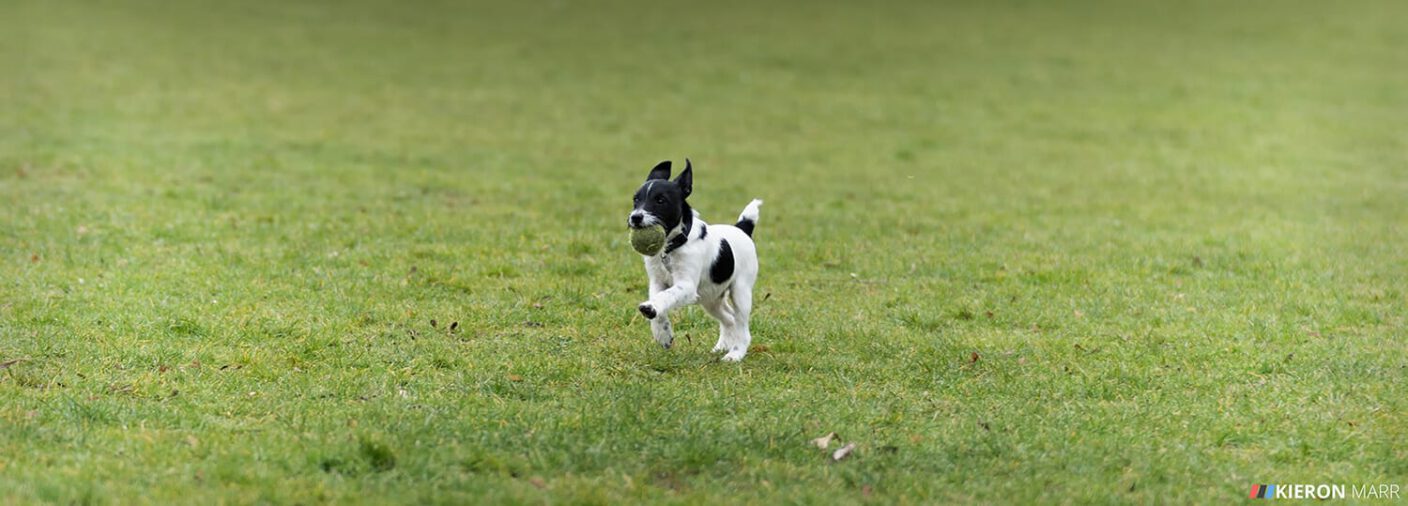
x,y
648,240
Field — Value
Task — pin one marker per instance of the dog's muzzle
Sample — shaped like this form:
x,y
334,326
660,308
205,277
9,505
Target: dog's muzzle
x,y
640,219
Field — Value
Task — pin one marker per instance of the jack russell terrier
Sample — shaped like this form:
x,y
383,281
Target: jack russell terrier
x,y
712,265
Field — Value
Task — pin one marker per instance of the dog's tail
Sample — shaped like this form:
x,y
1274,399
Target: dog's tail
x,y
749,218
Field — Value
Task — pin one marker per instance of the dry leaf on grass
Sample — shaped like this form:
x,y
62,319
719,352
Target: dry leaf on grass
x,y
824,441
120,388
843,452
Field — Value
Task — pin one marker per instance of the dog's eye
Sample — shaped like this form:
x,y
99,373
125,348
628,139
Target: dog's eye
x,y
660,200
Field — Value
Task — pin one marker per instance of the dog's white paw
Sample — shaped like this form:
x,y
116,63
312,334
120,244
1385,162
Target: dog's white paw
x,y
647,310
665,339
735,355
719,347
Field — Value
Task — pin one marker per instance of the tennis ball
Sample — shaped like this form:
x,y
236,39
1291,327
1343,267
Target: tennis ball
x,y
648,240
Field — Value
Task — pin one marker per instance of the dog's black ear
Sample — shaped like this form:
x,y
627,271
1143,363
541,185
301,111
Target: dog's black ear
x,y
661,171
686,179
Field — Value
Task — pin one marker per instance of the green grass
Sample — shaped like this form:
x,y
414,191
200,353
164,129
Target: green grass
x,y
1172,235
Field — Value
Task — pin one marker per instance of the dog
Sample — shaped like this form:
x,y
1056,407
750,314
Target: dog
x,y
715,266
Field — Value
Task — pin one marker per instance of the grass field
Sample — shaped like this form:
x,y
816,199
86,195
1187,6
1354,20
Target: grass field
x,y
373,252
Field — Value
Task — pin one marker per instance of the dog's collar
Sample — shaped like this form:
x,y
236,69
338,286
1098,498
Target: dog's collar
x,y
675,243
686,225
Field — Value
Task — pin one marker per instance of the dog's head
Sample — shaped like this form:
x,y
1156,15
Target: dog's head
x,y
660,201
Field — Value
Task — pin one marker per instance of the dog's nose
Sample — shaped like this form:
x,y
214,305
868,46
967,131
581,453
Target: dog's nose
x,y
636,219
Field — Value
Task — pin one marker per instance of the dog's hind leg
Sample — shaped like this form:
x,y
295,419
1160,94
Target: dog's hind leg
x,y
739,338
721,311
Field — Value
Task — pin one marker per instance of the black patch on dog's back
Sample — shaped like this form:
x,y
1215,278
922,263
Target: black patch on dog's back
x,y
723,264
746,226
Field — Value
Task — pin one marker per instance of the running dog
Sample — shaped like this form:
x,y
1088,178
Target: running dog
x,y
712,265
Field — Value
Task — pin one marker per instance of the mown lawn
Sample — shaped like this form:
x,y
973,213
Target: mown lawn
x,y
373,252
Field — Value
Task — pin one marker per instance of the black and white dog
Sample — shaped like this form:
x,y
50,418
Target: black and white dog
x,y
713,265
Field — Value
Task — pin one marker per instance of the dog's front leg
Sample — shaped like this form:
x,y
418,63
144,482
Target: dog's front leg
x,y
660,324
684,290
670,298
